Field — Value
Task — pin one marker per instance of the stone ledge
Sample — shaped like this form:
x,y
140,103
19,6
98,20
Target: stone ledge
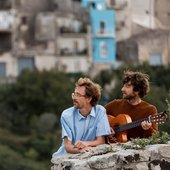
x,y
114,157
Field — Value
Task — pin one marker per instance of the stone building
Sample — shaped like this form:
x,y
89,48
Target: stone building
x,y
143,31
47,34
42,34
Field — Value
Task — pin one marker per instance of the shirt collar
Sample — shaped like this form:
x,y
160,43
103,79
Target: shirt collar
x,y
92,113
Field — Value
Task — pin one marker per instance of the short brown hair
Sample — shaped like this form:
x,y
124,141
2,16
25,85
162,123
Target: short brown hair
x,y
140,82
92,89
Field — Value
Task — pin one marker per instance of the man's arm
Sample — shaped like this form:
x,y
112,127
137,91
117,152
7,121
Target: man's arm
x,y
82,144
70,148
150,128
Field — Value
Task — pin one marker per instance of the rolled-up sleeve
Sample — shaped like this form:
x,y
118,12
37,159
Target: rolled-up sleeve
x,y
103,127
66,131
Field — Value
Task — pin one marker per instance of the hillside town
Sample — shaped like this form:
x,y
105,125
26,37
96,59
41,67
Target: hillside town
x,y
51,51
57,34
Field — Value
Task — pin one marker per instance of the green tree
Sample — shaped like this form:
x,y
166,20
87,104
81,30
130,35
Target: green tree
x,y
35,93
10,159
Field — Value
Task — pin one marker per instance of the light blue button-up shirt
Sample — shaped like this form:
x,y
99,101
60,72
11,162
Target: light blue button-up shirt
x,y
77,127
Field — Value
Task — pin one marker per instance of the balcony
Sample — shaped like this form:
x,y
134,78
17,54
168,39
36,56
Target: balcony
x,y
72,52
6,21
107,33
70,30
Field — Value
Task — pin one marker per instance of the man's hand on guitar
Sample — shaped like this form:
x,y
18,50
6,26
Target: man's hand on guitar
x,y
146,125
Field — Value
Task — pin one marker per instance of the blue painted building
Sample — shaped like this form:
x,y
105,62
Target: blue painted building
x,y
102,31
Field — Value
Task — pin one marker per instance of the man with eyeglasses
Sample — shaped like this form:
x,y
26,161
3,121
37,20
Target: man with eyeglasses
x,y
84,125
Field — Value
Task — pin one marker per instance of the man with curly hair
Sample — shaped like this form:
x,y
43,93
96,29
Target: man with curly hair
x,y
135,87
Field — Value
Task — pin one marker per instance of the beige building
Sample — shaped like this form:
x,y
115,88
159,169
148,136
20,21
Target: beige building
x,y
42,34
143,31
47,34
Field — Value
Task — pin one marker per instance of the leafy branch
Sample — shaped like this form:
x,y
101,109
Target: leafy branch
x,y
141,143
168,105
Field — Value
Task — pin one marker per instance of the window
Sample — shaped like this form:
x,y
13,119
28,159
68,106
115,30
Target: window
x,y
24,20
102,27
155,59
75,47
2,70
103,49
93,5
25,63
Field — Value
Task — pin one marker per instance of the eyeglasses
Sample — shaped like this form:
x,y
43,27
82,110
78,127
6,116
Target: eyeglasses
x,y
77,95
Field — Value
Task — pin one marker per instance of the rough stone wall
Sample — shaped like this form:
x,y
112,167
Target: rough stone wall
x,y
114,157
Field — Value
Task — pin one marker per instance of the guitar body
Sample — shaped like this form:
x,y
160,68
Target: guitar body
x,y
123,122
119,120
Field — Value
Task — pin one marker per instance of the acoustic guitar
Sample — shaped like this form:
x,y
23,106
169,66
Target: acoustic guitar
x,y
123,122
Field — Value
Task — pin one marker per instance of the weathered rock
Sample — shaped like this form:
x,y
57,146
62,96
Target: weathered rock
x,y
115,157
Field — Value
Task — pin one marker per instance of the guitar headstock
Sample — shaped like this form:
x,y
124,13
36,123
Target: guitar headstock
x,y
160,118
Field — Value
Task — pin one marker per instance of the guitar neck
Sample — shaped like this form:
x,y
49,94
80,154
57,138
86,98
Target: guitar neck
x,y
128,126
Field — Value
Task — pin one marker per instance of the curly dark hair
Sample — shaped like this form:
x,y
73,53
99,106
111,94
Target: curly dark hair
x,y
93,90
139,81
